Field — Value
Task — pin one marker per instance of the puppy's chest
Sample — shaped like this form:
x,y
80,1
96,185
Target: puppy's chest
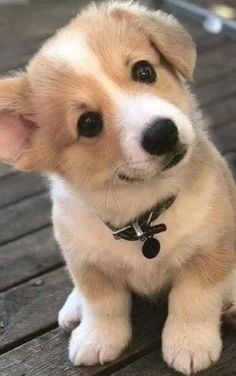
x,y
87,240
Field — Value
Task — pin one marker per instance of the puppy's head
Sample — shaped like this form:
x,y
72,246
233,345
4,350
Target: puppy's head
x,y
105,98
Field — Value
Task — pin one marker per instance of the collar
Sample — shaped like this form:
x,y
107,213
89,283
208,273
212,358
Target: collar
x,y
140,228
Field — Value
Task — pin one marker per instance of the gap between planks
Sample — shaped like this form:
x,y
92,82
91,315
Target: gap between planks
x,y
33,358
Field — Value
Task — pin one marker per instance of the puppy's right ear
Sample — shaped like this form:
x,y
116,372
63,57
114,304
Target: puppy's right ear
x,y
17,129
165,34
172,40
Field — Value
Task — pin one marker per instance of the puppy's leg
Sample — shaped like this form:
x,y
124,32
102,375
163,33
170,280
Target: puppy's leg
x,y
191,336
105,328
71,313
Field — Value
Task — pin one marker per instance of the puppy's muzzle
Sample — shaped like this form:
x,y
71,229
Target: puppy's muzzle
x,y
160,137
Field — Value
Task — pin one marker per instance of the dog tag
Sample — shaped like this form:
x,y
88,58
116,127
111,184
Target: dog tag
x,y
151,248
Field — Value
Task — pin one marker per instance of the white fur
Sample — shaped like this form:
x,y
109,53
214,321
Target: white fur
x,y
145,276
191,338
104,332
137,112
71,313
71,49
190,348
99,341
96,339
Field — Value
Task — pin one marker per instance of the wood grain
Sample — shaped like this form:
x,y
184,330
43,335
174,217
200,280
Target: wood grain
x,y
153,364
222,113
225,137
211,64
215,91
18,186
28,257
6,170
32,307
47,355
24,217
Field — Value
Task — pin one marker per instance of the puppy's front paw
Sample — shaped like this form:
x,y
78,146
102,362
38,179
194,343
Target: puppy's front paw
x,y
189,348
71,313
99,342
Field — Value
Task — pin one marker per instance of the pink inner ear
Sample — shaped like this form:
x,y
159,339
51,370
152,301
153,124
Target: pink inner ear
x,y
15,136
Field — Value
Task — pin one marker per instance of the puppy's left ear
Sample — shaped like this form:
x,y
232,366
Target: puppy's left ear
x,y
17,130
172,40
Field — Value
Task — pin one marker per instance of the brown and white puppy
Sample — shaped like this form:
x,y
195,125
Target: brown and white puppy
x,y
91,111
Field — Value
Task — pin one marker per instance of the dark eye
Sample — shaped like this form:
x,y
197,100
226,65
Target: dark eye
x,y
143,71
90,124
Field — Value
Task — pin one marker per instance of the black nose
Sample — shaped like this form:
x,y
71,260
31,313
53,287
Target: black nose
x,y
160,137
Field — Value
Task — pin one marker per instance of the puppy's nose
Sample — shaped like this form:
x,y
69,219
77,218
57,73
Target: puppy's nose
x,y
160,137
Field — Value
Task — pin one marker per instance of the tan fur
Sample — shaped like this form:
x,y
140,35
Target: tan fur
x,y
214,266
58,105
94,284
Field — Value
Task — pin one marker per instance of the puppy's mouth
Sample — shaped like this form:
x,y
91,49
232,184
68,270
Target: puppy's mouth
x,y
176,159
130,179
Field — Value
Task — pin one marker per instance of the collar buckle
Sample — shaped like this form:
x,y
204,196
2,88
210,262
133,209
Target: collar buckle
x,y
138,230
141,228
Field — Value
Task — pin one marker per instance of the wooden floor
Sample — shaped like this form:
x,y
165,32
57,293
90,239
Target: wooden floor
x,y
33,280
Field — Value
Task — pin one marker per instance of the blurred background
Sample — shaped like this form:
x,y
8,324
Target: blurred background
x,y
33,281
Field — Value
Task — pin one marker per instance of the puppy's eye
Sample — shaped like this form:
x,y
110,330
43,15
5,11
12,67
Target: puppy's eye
x,y
90,124
143,71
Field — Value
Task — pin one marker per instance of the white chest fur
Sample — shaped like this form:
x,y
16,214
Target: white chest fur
x,y
85,239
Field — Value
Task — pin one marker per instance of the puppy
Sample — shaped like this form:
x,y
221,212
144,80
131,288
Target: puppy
x,y
141,198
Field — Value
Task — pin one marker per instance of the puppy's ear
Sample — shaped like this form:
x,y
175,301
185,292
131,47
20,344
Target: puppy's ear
x,y
166,35
172,40
17,130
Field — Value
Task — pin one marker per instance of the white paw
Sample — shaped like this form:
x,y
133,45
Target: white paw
x,y
189,349
99,342
71,313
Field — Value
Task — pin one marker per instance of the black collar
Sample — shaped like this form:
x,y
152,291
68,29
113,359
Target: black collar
x,y
141,229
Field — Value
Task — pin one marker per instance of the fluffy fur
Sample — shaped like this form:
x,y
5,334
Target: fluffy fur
x,y
86,67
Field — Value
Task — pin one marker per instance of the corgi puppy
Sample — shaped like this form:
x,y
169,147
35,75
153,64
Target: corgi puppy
x,y
142,200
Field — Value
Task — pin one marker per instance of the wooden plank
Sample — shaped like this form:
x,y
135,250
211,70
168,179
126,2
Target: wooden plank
x,y
31,308
26,26
24,217
216,63
231,159
18,186
28,257
149,365
209,41
42,19
225,137
217,90
202,38
29,25
153,364
221,113
6,170
47,354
